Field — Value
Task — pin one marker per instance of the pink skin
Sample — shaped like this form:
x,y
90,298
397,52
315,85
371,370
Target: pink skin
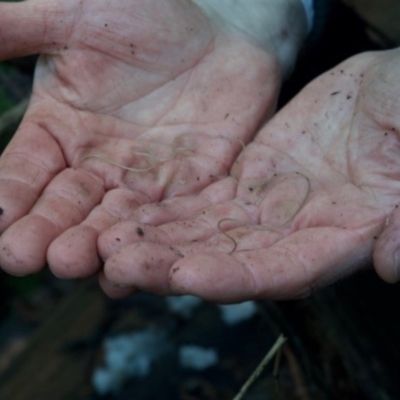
x,y
151,85
314,198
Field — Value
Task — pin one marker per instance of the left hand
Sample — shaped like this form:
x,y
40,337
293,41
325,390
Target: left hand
x,y
311,200
133,102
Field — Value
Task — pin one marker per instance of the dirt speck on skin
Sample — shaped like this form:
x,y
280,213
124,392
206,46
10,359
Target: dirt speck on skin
x,y
139,231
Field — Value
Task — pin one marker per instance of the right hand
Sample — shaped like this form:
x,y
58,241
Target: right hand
x,y
312,199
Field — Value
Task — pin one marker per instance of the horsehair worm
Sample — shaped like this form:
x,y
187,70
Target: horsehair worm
x,y
264,227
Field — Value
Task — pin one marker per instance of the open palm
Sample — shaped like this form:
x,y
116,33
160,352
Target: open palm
x,y
133,102
312,199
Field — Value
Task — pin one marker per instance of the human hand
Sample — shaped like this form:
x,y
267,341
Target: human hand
x,y
311,200
133,102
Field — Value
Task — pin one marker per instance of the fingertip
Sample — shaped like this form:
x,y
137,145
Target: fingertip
x,y
23,246
14,204
387,263
390,274
214,277
114,291
12,264
193,275
142,265
74,254
386,254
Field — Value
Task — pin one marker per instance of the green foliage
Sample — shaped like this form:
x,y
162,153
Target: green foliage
x,y
5,102
23,285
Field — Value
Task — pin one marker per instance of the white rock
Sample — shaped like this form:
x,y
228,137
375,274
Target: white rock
x,y
233,314
128,356
197,357
183,306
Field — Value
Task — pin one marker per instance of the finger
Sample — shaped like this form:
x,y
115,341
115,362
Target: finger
x,y
209,223
128,232
147,270
65,202
146,266
282,198
112,290
32,27
187,207
387,250
74,253
29,163
291,268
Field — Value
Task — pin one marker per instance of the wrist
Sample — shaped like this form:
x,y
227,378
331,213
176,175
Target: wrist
x,y
279,26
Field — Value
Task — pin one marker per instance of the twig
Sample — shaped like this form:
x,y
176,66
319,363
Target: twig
x,y
275,374
275,348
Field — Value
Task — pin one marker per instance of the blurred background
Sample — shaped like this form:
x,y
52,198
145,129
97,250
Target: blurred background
x,y
66,340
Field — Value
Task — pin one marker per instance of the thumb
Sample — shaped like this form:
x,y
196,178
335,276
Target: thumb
x,y
387,249
33,27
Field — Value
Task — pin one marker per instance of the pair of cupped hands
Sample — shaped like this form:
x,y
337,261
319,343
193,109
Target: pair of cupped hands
x,y
136,159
